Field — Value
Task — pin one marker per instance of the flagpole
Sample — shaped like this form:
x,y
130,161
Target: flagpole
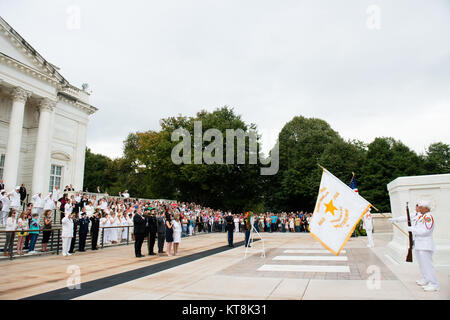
x,y
395,225
321,167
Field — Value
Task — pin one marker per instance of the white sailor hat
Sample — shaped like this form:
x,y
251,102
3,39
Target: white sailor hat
x,y
17,188
424,203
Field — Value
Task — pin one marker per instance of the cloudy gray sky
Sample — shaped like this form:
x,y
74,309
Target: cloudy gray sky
x,y
270,60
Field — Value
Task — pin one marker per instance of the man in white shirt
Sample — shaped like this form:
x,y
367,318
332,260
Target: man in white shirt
x,y
15,200
4,198
38,205
126,195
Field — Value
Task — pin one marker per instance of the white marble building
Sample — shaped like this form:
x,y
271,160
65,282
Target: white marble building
x,y
43,119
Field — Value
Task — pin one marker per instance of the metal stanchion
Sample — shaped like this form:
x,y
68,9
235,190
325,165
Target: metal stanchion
x,y
103,231
11,247
57,244
51,243
128,234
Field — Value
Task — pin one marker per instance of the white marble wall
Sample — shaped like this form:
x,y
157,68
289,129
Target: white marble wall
x,y
435,188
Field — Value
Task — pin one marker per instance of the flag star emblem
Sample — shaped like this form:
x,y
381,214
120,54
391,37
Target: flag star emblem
x,y
330,207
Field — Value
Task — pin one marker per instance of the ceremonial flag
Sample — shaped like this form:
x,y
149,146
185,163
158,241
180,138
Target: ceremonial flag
x,y
337,212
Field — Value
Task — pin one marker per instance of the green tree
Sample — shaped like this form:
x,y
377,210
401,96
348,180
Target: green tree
x,y
437,158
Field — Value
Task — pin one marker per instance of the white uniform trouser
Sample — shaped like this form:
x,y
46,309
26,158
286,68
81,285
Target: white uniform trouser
x,y
236,227
369,237
425,260
3,217
66,245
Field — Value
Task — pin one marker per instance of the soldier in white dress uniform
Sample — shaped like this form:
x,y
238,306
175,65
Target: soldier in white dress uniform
x,y
422,226
368,226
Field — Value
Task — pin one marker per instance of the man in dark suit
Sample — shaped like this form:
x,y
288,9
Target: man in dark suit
x,y
152,229
139,232
2,185
84,228
75,228
95,226
161,229
23,193
229,226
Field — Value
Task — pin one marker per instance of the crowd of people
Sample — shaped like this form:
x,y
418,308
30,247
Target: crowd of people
x,y
114,220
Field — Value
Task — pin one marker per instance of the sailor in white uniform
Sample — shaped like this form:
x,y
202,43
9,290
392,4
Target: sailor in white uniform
x,y
38,204
422,226
368,226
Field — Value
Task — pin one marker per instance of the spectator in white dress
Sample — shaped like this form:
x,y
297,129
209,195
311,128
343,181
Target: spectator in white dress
x,y
176,234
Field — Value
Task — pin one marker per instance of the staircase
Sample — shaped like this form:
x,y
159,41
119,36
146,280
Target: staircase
x,y
52,249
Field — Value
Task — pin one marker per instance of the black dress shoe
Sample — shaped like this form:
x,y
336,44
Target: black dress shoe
x,y
140,256
152,254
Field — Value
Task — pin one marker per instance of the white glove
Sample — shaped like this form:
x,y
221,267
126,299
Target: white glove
x,y
391,220
410,229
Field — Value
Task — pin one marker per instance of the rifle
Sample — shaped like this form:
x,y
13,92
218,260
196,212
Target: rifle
x,y
409,257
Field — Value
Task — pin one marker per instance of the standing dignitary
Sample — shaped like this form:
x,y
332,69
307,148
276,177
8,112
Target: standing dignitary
x,y
229,227
95,226
2,185
84,228
67,234
368,226
75,227
152,229
139,232
161,229
422,226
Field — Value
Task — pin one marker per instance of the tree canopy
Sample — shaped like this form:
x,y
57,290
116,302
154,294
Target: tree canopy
x,y
147,169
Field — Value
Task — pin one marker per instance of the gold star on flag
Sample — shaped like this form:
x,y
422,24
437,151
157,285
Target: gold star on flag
x,y
330,207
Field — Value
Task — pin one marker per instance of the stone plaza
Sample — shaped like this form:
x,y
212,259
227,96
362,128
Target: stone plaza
x,y
295,267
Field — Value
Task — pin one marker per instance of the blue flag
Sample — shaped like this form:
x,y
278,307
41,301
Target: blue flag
x,y
353,184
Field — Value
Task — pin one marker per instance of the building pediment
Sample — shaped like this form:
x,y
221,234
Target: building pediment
x,y
14,47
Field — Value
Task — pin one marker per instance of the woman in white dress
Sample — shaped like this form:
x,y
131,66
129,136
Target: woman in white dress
x,y
130,223
176,233
113,231
124,224
104,222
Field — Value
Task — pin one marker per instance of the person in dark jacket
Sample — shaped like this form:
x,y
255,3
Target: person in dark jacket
x,y
161,229
152,230
84,229
95,226
75,228
229,226
139,223
23,193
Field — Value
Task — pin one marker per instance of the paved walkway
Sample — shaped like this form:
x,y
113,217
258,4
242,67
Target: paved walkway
x,y
295,267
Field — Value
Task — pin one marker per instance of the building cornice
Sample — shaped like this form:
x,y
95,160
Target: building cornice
x,y
87,108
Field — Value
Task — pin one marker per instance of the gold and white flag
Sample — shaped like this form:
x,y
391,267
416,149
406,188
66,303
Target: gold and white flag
x,y
337,212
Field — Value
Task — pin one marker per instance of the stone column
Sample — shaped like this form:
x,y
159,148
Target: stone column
x,y
80,157
12,156
41,166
